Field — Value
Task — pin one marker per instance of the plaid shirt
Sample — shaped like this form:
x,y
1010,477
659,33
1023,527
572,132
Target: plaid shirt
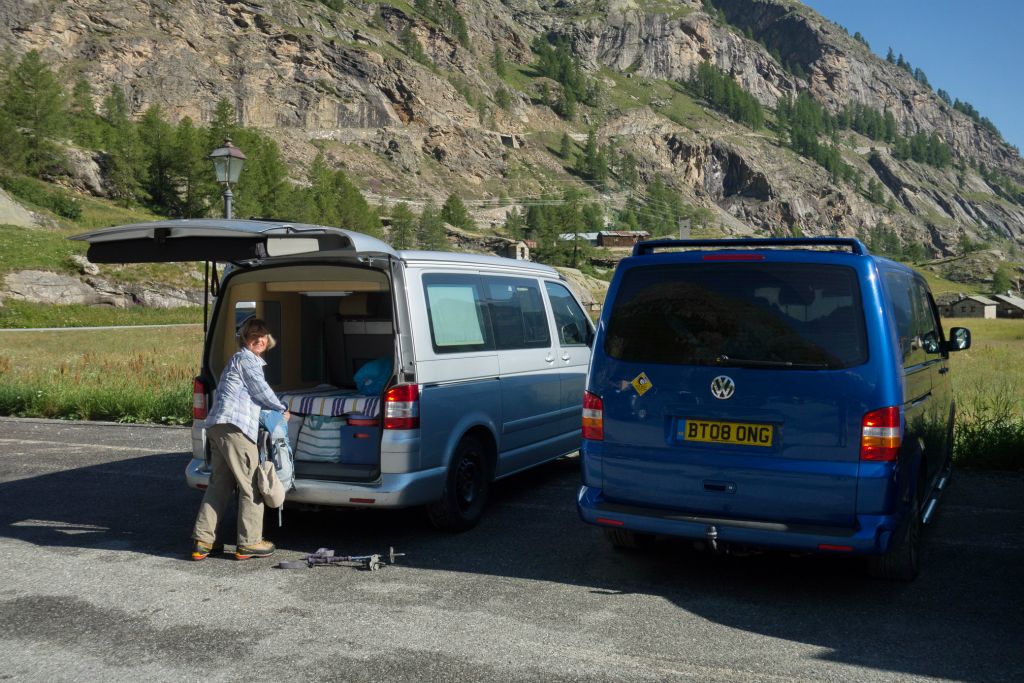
x,y
241,392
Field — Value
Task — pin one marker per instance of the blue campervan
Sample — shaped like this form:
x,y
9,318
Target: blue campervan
x,y
769,393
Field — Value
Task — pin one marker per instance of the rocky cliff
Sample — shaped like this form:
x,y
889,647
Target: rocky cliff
x,y
342,82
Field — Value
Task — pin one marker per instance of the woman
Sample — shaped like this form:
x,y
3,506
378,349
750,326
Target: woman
x,y
231,430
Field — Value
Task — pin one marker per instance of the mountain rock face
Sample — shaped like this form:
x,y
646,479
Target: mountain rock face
x,y
342,82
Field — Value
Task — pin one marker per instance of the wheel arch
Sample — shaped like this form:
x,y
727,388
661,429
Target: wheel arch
x,y
487,441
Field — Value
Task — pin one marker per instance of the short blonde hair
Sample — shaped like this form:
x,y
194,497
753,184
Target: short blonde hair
x,y
254,328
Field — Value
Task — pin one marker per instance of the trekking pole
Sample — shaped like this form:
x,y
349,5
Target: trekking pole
x,y
326,556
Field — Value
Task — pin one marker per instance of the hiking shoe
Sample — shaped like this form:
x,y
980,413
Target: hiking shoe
x,y
262,549
201,549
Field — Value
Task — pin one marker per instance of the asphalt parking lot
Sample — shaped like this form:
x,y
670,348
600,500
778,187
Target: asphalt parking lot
x,y
94,525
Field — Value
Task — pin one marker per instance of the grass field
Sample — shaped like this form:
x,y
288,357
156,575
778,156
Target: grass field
x,y
22,314
124,375
988,380
145,375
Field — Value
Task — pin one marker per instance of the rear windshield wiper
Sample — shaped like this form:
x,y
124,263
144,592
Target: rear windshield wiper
x,y
752,363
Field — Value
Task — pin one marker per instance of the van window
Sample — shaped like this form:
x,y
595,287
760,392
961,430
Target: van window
x,y
916,324
929,331
517,313
774,314
570,320
457,312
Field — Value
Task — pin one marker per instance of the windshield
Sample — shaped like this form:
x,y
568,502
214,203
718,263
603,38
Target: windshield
x,y
758,315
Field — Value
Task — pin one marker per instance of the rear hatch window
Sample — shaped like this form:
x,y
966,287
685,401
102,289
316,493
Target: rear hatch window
x,y
778,315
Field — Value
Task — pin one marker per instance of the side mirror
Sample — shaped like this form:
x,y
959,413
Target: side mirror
x,y
571,333
959,339
930,343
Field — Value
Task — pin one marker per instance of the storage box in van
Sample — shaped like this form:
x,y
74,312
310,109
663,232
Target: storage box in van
x,y
484,358
783,393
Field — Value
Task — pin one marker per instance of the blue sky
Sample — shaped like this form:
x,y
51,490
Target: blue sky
x,y
972,50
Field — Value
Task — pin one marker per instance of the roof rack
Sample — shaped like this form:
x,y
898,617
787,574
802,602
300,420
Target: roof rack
x,y
854,245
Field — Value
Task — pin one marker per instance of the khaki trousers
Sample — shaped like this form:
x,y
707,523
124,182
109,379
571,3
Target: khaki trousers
x,y
234,460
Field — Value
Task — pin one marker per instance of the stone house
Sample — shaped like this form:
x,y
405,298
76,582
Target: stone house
x,y
620,238
1009,306
974,306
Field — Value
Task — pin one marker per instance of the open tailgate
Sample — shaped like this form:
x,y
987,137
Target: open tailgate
x,y
211,239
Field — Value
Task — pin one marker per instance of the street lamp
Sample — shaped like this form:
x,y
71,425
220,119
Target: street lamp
x,y
227,164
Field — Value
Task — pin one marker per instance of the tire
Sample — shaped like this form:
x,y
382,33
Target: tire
x,y
624,539
902,561
465,492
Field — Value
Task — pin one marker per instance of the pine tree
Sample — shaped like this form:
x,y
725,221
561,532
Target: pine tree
x,y
875,193
411,45
156,137
331,199
502,98
628,174
454,212
515,223
1001,279
889,127
498,61
12,143
126,167
890,57
86,126
224,124
263,187
403,227
126,159
593,161
33,102
565,105
430,233
192,169
565,146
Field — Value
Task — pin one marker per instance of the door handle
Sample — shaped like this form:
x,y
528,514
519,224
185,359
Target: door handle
x,y
549,358
566,357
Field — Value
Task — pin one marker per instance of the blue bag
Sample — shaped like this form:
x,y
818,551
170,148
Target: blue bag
x,y
373,376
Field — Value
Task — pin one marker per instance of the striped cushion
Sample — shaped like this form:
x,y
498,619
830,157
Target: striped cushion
x,y
330,401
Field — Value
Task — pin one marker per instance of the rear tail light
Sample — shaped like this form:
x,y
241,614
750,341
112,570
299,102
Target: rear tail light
x,y
593,417
402,407
881,434
200,399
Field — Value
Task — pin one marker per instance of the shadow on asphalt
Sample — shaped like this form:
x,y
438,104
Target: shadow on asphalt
x,y
531,531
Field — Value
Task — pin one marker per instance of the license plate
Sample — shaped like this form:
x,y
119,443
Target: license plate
x,y
738,433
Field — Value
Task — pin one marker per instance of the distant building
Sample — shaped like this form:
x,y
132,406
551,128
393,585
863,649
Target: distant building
x,y
518,250
974,306
590,237
620,238
1009,306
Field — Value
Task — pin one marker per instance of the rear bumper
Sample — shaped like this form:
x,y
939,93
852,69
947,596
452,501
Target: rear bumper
x,y
390,491
870,537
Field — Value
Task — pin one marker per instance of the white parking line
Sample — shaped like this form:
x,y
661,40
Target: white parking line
x,y
65,444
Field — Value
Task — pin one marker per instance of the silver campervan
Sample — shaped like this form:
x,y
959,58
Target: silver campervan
x,y
413,378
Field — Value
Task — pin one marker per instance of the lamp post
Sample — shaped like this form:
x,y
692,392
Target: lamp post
x,y
227,164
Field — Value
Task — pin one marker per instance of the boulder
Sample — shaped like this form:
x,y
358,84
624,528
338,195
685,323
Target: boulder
x,y
13,213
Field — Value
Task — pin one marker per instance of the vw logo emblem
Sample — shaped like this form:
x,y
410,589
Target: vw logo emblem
x,y
722,387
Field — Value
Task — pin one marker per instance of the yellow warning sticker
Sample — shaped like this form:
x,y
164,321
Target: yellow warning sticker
x,y
641,383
